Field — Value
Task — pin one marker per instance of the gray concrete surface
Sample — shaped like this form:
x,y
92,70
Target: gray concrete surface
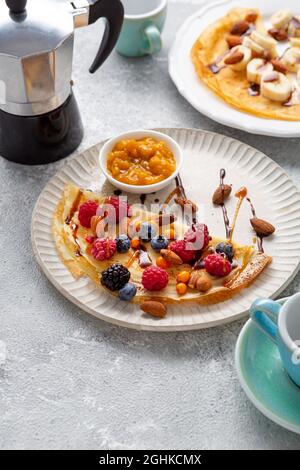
x,y
70,381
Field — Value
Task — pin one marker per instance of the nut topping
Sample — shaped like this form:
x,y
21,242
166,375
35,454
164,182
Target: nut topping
x,y
234,58
239,28
221,194
154,308
233,41
251,17
200,280
171,257
261,227
186,202
278,66
278,34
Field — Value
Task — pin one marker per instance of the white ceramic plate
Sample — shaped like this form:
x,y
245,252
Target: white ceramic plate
x,y
273,193
202,98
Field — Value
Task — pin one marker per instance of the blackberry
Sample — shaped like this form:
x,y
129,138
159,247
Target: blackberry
x,y
226,249
115,277
123,244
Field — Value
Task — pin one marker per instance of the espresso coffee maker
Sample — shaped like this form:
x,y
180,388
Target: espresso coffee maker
x,y
39,118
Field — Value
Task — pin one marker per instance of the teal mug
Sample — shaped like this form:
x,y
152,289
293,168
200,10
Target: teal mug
x,y
281,323
143,23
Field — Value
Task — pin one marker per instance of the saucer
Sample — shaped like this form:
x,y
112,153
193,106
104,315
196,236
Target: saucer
x,y
264,379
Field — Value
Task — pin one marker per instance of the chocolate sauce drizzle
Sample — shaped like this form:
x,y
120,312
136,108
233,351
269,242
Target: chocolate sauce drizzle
x,y
224,210
182,194
259,238
73,208
254,89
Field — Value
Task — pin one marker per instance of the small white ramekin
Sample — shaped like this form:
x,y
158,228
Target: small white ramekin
x,y
140,134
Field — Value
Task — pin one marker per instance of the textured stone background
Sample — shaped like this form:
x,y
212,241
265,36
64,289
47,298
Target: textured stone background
x,y
70,381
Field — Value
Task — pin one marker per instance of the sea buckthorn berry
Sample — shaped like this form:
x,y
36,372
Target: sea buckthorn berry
x,y
183,277
181,288
162,263
135,243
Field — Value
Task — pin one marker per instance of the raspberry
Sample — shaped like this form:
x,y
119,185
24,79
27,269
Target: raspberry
x,y
181,248
197,235
155,278
116,209
217,265
104,248
90,239
86,212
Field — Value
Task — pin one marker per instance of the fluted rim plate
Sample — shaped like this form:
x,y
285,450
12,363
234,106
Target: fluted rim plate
x,y
272,191
183,74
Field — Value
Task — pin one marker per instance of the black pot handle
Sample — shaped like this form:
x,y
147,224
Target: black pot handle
x,y
113,12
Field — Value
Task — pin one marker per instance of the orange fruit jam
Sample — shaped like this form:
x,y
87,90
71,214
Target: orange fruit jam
x,y
141,162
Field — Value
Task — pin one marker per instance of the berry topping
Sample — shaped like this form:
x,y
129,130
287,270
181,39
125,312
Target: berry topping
x,y
127,292
181,288
198,235
155,278
217,265
183,277
115,277
147,232
117,209
162,263
159,243
86,212
103,249
180,247
123,244
90,239
226,249
135,243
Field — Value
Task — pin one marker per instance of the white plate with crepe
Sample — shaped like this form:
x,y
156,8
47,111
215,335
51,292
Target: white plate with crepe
x,y
273,193
183,73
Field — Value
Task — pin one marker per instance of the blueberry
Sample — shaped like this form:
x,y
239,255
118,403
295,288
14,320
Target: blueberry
x,y
159,243
127,292
147,232
123,244
226,249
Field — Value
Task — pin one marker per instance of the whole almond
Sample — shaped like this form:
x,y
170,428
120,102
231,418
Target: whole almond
x,y
200,280
154,308
233,41
221,194
171,257
185,203
278,34
204,282
278,66
234,58
240,28
251,17
262,227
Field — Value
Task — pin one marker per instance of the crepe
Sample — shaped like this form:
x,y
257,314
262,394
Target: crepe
x,y
229,85
75,252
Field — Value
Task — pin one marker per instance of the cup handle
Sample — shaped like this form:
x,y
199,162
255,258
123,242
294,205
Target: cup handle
x,y
264,312
153,36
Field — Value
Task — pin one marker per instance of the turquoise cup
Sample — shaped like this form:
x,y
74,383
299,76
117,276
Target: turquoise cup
x,y
281,323
143,24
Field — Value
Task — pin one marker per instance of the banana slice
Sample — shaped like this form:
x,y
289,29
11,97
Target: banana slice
x,y
275,86
295,42
291,59
267,42
248,42
281,18
247,55
294,27
256,68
